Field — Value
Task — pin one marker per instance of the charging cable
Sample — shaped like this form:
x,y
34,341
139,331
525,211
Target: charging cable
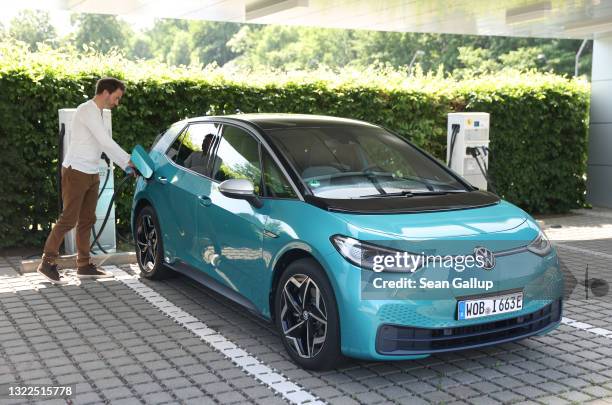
x,y
93,228
455,130
477,153
129,171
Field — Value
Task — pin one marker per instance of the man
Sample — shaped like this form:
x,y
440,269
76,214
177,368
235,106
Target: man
x,y
198,160
80,180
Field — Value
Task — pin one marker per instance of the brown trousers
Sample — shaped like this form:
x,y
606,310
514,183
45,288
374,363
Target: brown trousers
x,y
80,197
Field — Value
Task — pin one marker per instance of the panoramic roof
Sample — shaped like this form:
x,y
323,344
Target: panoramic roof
x,y
272,121
539,18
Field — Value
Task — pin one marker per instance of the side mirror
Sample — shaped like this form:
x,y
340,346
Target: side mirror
x,y
142,161
241,189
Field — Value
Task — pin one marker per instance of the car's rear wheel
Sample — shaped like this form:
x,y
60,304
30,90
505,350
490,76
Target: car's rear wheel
x,y
149,248
307,316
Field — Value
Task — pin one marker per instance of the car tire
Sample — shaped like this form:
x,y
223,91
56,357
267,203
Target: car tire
x,y
149,246
311,343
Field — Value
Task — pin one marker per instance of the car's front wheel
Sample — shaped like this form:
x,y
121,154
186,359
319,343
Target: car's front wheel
x,y
149,248
307,316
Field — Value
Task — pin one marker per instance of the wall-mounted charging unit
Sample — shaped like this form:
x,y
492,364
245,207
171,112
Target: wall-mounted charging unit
x,y
467,151
107,240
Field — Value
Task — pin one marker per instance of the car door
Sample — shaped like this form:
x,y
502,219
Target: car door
x,y
233,225
183,180
163,154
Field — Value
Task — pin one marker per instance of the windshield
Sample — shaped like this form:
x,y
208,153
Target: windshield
x,y
361,162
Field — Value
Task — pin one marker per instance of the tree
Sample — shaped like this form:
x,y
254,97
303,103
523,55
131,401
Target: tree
x,y
476,62
209,41
162,34
524,58
253,46
550,56
33,27
141,48
180,53
398,49
100,31
287,48
560,56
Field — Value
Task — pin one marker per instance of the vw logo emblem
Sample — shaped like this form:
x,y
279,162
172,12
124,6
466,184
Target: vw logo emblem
x,y
484,256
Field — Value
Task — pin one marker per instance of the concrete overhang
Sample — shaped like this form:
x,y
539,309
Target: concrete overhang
x,y
540,18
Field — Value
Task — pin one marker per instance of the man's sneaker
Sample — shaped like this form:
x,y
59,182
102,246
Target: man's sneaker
x,y
49,271
91,271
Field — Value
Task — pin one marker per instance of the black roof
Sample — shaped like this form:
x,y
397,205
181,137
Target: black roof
x,y
277,121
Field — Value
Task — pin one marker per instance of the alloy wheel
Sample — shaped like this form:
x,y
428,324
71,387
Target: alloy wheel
x,y
146,240
303,315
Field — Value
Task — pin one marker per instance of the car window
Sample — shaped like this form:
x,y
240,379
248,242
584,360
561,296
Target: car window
x,y
157,138
276,183
237,157
194,146
174,148
361,161
167,138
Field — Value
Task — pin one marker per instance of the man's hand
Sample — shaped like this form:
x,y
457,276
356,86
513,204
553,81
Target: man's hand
x,y
131,169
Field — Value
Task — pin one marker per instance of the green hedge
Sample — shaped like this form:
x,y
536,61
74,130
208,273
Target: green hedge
x,y
538,122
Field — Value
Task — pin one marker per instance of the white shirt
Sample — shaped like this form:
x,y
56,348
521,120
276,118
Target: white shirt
x,y
89,139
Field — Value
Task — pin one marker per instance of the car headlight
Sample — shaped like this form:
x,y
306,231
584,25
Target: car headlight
x,y
541,245
376,258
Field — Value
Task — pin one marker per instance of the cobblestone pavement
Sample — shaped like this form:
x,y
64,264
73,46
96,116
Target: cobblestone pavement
x,y
130,340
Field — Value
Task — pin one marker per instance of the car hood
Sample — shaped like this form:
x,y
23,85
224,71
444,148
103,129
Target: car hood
x,y
502,219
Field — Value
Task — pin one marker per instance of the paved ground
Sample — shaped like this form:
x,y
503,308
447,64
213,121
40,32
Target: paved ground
x,y
129,340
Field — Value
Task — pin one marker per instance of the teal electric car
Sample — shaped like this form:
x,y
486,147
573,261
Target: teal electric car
x,y
349,238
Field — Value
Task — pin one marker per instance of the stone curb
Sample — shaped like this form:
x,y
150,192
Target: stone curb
x,y
600,213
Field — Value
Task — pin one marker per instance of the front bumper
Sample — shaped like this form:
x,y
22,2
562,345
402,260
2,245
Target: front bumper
x,y
397,340
402,329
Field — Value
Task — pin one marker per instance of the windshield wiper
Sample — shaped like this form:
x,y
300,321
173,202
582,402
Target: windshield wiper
x,y
409,193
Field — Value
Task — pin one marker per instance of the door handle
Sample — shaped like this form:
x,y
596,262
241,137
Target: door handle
x,y
204,200
162,179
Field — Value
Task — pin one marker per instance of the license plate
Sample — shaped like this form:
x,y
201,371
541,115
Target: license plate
x,y
479,307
